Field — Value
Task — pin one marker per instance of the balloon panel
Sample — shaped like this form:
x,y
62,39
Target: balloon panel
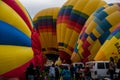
x,y
13,19
10,61
12,36
19,8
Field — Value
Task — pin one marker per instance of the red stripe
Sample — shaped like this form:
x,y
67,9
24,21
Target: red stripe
x,y
86,52
18,9
65,57
18,72
71,23
61,19
70,48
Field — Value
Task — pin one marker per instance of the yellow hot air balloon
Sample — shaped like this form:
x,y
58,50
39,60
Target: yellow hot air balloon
x,y
17,45
95,32
45,24
71,19
111,47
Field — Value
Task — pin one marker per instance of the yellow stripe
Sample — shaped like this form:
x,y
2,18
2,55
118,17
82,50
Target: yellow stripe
x,y
8,15
96,33
12,57
110,9
114,18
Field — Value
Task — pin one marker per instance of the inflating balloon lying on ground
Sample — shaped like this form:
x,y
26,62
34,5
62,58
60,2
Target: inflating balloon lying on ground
x,y
19,43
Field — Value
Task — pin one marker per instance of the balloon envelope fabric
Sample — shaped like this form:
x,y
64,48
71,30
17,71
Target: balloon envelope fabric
x,y
111,47
45,24
71,19
17,45
95,31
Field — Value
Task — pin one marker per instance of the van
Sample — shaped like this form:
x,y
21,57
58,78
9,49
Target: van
x,y
98,69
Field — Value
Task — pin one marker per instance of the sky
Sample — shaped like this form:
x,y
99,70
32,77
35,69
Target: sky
x,y
34,6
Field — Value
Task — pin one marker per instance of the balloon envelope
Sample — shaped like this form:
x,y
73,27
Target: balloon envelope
x,y
17,47
111,47
45,24
71,19
95,32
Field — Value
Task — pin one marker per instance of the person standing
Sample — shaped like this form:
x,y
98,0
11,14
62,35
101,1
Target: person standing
x,y
52,72
57,74
66,74
37,73
111,68
30,72
72,70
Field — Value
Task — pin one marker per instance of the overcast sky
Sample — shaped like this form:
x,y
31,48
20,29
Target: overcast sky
x,y
34,6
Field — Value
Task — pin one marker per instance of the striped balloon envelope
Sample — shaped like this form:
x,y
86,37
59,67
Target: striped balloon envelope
x,y
18,40
45,24
111,47
95,31
71,19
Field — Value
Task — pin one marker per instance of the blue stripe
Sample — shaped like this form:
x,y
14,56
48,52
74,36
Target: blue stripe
x,y
92,36
74,17
75,49
81,20
98,11
35,23
68,10
104,36
85,35
110,4
10,35
39,20
61,44
105,25
101,15
115,31
54,24
100,31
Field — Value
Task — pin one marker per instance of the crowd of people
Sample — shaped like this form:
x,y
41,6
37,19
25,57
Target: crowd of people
x,y
55,72
77,72
32,73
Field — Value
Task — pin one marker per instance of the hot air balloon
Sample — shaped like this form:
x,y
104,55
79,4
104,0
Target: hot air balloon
x,y
95,32
71,19
45,24
19,43
111,47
